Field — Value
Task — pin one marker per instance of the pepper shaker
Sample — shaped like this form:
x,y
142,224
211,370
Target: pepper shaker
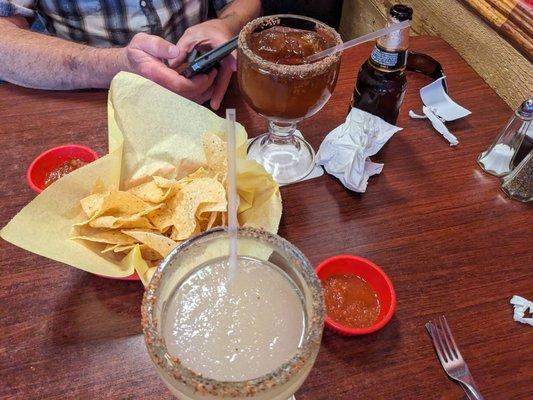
x,y
498,158
518,185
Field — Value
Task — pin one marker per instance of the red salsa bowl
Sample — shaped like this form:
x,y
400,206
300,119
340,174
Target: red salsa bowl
x,y
374,276
52,159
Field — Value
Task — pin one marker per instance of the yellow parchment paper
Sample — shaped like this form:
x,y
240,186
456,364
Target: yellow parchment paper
x,y
151,131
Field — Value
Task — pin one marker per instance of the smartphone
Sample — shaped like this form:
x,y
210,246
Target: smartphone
x,y
205,62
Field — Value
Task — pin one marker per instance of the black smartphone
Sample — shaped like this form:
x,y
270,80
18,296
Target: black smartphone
x,y
205,62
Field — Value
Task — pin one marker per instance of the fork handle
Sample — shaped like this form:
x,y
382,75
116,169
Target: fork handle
x,y
471,390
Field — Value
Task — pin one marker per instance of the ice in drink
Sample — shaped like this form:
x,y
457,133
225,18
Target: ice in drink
x,y
274,76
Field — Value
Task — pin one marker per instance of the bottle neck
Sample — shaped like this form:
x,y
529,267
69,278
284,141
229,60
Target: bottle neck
x,y
390,52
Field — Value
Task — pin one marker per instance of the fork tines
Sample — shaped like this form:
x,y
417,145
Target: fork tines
x,y
450,358
443,340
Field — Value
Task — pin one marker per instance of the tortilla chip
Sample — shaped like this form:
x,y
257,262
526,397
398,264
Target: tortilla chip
x,y
98,186
134,259
189,199
215,152
151,192
199,173
112,201
208,223
162,218
109,237
164,183
154,240
120,249
121,221
109,247
130,221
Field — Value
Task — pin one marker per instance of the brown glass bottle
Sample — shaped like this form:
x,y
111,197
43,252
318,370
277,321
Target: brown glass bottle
x,y
381,82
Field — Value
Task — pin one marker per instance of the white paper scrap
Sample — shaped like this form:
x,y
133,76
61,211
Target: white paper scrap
x,y
434,95
345,150
440,127
414,115
521,305
440,108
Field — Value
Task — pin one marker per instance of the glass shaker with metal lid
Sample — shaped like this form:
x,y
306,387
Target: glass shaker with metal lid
x,y
518,185
498,158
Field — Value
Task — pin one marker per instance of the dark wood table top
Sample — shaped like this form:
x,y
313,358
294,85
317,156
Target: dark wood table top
x,y
449,239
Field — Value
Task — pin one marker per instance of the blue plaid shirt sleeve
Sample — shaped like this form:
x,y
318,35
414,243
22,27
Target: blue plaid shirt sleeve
x,y
217,4
23,8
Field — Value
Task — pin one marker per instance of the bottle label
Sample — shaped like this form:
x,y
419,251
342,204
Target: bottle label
x,y
388,60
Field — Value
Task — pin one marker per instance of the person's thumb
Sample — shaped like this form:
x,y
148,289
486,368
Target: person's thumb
x,y
180,58
187,42
184,48
156,46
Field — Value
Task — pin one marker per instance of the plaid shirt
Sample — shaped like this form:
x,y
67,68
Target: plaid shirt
x,y
106,23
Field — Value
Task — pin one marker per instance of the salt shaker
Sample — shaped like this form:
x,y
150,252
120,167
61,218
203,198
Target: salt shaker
x,y
518,185
498,158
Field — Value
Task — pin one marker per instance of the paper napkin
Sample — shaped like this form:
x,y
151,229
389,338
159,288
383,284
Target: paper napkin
x,y
345,151
440,108
520,307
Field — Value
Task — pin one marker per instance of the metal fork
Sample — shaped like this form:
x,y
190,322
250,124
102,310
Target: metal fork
x,y
450,358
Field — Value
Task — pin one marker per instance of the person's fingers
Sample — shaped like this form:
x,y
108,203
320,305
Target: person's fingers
x,y
195,37
196,89
166,77
183,53
191,38
202,82
231,60
205,96
155,46
221,84
185,45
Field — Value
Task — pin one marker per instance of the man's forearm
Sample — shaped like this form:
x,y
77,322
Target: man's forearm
x,y
239,12
39,61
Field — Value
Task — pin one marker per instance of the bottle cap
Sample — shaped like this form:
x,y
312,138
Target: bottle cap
x,y
526,109
401,12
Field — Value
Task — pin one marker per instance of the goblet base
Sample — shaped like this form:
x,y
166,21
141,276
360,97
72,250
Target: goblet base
x,y
287,159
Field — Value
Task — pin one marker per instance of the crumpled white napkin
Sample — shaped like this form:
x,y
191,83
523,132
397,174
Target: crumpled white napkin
x,y
521,305
345,150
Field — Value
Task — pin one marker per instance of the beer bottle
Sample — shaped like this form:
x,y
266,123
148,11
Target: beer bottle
x,y
381,82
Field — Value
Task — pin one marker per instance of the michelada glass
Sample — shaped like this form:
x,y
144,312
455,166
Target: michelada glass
x,y
252,333
278,83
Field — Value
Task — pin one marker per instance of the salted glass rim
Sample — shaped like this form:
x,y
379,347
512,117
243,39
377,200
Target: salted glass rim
x,y
172,365
314,67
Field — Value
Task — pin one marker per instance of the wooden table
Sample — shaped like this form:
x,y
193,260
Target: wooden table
x,y
449,239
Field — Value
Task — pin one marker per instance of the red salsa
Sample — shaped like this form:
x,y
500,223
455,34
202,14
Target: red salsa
x,y
63,169
351,301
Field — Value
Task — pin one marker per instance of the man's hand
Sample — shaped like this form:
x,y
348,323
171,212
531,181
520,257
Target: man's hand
x,y
206,36
28,57
144,55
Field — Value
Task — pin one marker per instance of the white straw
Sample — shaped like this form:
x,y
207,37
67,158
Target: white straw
x,y
232,194
361,39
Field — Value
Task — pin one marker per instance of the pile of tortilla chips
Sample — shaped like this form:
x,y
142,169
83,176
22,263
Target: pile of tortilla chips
x,y
171,177
155,216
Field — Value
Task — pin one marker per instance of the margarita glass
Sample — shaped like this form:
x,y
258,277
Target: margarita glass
x,y
278,83
199,325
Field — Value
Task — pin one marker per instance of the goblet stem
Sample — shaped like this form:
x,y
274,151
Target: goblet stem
x,y
282,132
288,157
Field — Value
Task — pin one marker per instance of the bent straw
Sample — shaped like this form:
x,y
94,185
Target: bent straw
x,y
232,194
361,39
